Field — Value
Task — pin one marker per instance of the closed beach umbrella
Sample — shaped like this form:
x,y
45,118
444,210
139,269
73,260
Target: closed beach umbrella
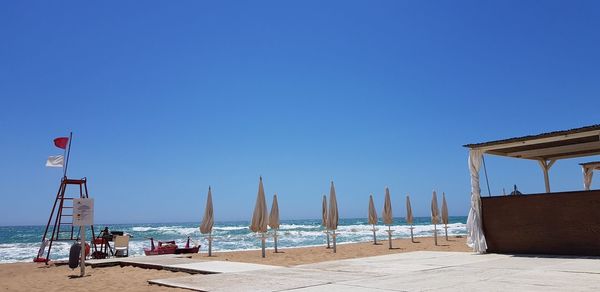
x,y
259,218
445,214
332,215
388,219
324,218
274,219
409,218
435,215
373,217
444,209
274,215
208,221
324,212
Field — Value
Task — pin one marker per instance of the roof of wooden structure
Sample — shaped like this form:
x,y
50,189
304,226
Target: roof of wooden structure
x,y
584,141
594,165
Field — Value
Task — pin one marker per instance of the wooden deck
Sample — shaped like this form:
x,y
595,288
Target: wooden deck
x,y
566,223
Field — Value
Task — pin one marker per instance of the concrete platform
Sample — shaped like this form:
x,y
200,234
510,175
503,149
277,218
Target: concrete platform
x,y
218,267
281,279
158,260
416,271
179,263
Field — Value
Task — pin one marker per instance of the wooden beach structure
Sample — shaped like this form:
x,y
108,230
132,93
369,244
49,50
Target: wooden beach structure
x,y
62,223
560,223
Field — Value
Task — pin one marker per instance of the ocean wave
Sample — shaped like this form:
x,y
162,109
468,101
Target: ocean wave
x,y
298,226
25,252
230,228
167,229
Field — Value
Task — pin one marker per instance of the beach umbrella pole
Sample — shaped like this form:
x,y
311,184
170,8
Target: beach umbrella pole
x,y
328,244
275,240
446,227
210,244
334,236
412,239
435,233
262,239
390,235
374,236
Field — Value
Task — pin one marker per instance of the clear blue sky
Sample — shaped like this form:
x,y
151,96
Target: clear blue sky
x,y
166,98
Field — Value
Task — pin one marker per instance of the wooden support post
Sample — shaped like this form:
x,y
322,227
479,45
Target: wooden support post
x,y
82,262
546,165
546,180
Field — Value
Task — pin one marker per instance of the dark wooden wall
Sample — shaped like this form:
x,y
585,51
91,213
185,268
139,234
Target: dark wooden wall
x,y
565,223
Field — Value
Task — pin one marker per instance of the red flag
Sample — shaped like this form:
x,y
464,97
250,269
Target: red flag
x,y
61,142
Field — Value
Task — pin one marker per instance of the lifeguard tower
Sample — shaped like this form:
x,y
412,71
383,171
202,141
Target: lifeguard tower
x,y
60,223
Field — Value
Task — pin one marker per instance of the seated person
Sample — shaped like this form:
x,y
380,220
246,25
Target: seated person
x,y
106,234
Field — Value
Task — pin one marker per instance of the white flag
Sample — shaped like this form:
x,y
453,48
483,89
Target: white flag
x,y
55,161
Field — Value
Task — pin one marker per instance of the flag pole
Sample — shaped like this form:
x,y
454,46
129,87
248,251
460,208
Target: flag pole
x,y
68,152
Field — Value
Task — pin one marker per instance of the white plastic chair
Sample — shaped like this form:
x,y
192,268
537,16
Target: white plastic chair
x,y
121,245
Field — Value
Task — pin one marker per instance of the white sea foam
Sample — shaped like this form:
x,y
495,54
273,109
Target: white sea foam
x,y
297,226
143,229
167,229
230,228
25,252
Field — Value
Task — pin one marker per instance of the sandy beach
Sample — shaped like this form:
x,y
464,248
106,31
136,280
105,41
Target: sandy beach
x,y
306,255
39,277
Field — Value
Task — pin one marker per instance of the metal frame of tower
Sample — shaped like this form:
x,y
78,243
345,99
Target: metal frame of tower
x,y
60,227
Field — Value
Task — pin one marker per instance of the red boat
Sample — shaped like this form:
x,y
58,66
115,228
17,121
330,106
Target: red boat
x,y
169,247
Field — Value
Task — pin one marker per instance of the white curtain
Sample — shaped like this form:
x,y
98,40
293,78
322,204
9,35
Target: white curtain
x,y
475,236
588,172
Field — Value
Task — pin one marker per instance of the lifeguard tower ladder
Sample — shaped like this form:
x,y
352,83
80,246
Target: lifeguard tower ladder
x,y
62,228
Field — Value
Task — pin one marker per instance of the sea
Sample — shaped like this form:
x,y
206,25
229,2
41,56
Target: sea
x,y
21,243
